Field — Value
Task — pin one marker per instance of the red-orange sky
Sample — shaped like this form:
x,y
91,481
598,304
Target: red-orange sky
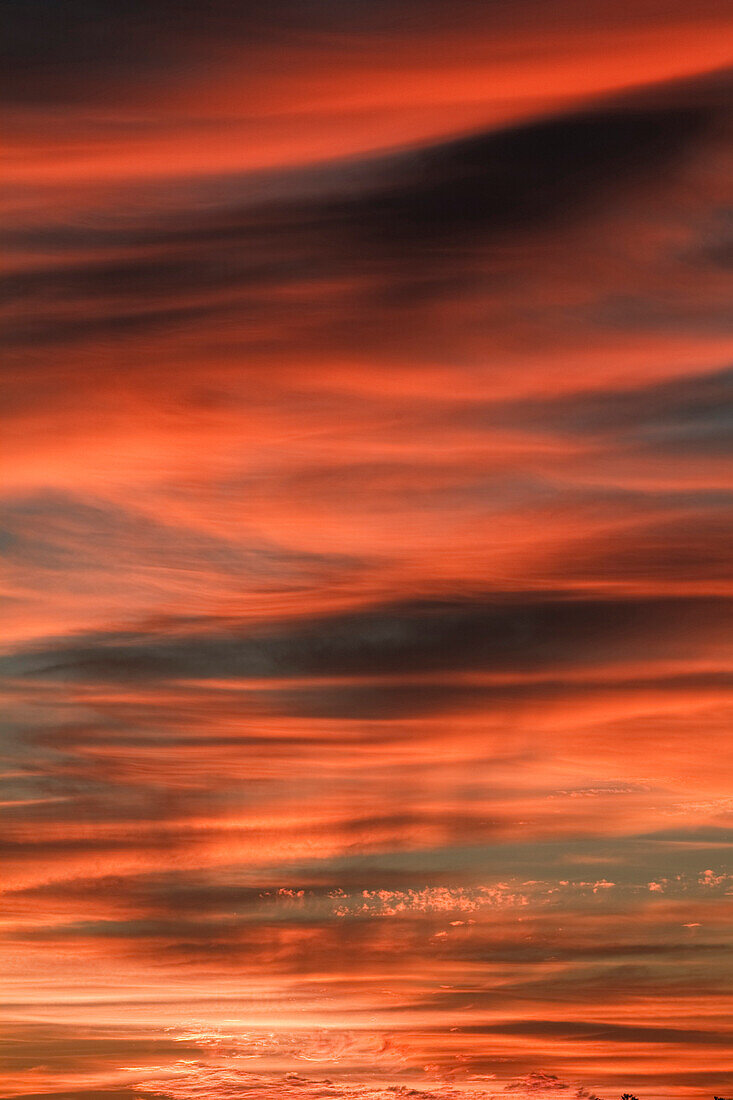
x,y
368,525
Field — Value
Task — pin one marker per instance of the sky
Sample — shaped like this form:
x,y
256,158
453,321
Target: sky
x,y
367,516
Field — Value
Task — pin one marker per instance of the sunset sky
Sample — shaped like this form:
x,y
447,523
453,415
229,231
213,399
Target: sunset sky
x,y
367,523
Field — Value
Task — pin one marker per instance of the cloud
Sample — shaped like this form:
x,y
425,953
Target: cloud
x,y
420,225
688,415
510,633
366,518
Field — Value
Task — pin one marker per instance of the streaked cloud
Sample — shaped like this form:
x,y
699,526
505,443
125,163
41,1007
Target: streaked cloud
x,y
367,676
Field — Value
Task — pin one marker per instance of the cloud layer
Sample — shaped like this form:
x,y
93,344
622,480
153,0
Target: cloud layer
x,y
367,530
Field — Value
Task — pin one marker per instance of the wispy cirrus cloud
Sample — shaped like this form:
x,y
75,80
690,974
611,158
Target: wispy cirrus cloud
x,y
367,676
